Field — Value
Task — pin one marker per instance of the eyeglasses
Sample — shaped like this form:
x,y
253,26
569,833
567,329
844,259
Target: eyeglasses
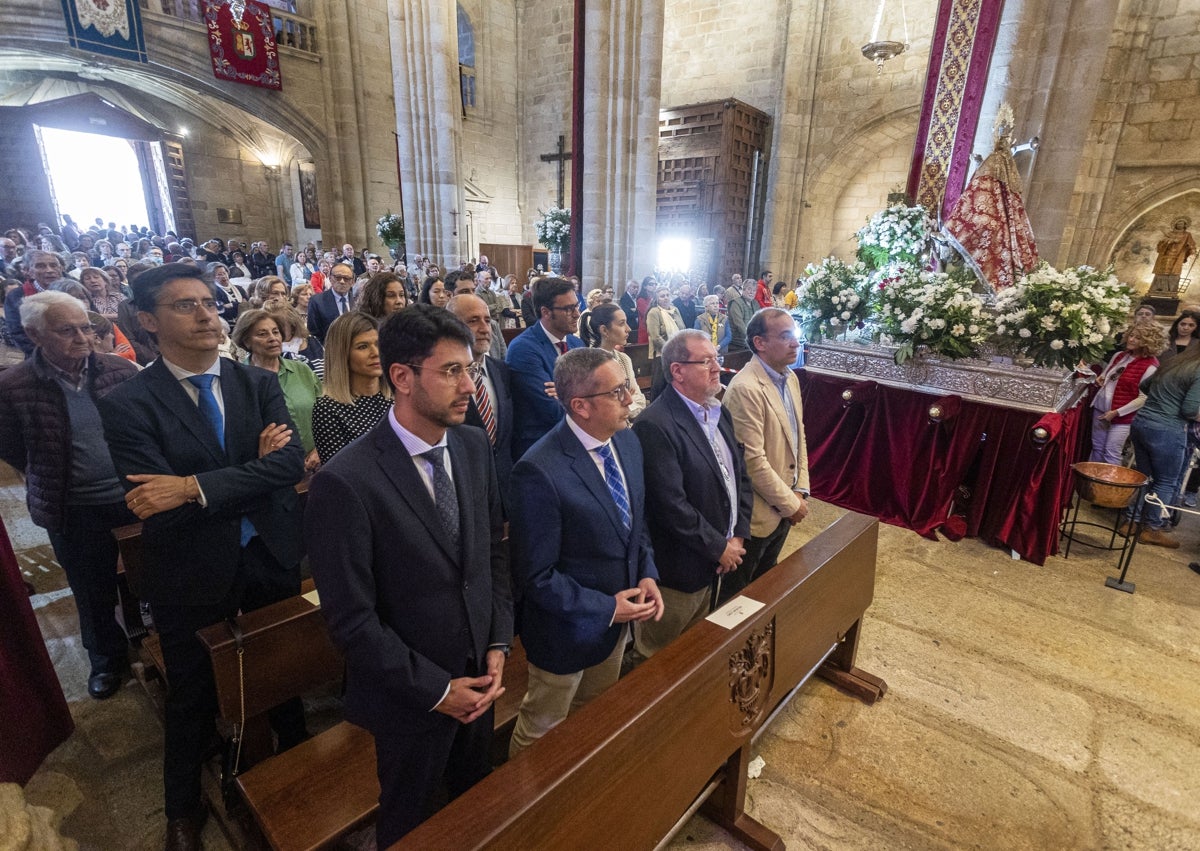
x,y
453,373
571,308
189,305
342,277
707,363
617,393
66,332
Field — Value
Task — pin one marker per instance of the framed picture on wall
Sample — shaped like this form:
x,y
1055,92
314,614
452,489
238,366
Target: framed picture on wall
x,y
308,194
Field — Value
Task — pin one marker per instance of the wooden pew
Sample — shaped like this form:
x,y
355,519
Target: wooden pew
x,y
322,789
599,779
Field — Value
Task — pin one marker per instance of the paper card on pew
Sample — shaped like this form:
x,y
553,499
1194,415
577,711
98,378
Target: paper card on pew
x,y
312,597
734,612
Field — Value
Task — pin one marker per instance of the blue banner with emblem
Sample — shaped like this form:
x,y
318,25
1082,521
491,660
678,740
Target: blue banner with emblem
x,y
108,27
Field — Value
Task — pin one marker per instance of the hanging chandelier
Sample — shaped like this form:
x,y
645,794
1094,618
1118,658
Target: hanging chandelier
x,y
880,50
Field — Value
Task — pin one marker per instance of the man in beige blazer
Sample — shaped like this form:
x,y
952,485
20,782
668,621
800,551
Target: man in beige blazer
x,y
768,420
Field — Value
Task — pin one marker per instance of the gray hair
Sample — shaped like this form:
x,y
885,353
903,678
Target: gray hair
x,y
677,349
757,326
573,373
32,256
35,307
711,298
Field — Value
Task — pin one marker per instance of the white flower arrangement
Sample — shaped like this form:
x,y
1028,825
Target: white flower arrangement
x,y
554,228
932,309
1060,318
390,228
833,298
898,235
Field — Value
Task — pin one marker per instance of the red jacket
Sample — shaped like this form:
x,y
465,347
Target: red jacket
x,y
762,295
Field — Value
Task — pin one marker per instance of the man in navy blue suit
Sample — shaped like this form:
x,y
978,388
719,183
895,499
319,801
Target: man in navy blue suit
x,y
698,494
581,551
531,357
211,460
327,306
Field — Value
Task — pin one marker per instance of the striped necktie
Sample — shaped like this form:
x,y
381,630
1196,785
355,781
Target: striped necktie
x,y
484,405
612,478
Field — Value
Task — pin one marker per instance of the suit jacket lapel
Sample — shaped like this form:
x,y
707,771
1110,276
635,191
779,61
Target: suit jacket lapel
x,y
398,465
585,467
688,425
177,401
776,402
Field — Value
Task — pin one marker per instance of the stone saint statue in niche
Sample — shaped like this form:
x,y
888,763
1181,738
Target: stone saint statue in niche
x,y
1174,249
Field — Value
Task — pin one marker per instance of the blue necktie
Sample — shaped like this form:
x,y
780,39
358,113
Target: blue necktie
x,y
212,413
612,478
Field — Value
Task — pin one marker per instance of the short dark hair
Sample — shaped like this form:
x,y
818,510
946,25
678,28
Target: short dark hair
x,y
409,336
757,326
573,373
147,284
546,290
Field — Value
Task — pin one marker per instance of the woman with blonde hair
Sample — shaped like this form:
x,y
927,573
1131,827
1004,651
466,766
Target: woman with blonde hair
x,y
1119,397
298,344
356,396
266,288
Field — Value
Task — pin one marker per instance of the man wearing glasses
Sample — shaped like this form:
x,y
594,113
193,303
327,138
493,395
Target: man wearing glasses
x,y
698,496
210,459
768,420
414,575
582,562
532,355
336,299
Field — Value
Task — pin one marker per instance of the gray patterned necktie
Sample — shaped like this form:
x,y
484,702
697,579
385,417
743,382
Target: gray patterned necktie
x,y
444,496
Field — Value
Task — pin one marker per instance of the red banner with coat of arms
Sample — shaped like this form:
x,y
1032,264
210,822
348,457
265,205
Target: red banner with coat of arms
x,y
243,48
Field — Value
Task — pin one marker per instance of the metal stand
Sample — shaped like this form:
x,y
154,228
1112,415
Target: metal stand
x,y
1135,530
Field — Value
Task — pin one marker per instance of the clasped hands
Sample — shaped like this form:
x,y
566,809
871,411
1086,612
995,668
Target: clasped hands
x,y
470,697
639,604
156,493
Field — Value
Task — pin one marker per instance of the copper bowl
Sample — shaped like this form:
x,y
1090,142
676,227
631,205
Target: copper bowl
x,y
1107,485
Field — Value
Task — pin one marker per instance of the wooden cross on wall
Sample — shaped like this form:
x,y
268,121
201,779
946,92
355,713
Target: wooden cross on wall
x,y
561,158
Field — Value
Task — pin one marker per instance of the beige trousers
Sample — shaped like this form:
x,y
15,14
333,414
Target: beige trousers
x,y
681,611
550,698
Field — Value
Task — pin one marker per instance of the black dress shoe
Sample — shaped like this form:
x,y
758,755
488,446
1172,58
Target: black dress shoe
x,y
183,834
104,685
1195,566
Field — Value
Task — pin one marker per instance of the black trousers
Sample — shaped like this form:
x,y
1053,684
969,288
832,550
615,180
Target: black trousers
x,y
761,555
413,759
87,551
192,694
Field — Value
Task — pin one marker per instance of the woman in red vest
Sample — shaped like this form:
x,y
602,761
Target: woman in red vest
x,y
1119,397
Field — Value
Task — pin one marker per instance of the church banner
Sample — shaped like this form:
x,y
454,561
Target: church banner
x,y
959,58
243,49
109,27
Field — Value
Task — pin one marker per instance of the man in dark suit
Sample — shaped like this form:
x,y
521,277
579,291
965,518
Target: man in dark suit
x,y
491,404
531,357
698,496
629,305
211,459
413,576
335,300
581,553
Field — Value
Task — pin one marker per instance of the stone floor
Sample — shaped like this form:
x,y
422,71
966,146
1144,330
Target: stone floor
x,y
1029,707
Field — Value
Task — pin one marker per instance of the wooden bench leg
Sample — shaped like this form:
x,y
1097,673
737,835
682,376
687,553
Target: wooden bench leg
x,y
839,670
727,807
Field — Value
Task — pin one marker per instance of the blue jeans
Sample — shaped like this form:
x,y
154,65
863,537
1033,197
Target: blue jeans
x,y
1159,453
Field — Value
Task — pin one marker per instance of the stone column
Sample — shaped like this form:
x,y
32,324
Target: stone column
x,y
424,39
622,89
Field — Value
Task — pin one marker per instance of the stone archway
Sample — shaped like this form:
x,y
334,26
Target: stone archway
x,y
1133,252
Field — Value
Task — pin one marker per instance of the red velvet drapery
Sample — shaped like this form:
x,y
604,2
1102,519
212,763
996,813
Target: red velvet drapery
x,y
34,718
881,454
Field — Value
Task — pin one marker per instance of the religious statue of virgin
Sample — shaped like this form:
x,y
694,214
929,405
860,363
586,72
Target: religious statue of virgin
x,y
989,225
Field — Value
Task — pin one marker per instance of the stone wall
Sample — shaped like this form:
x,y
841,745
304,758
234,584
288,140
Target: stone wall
x,y
544,33
491,165
24,191
714,49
